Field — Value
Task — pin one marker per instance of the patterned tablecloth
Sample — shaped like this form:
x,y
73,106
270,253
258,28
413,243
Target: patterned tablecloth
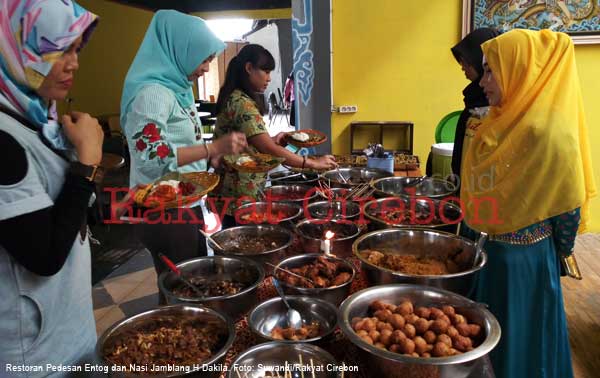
x,y
339,346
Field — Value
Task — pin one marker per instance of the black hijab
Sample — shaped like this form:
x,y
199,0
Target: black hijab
x,y
469,51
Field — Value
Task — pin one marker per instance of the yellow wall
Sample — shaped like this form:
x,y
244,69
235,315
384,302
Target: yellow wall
x,y
393,60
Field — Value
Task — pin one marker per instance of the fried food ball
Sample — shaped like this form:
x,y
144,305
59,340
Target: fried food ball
x,y
454,352
383,326
395,348
407,346
475,329
385,337
367,339
445,318
369,325
398,336
358,325
439,326
463,329
405,308
448,310
410,331
458,319
411,318
397,321
430,337
435,313
374,335
452,332
380,345
415,354
378,305
440,350
426,355
423,312
420,345
383,315
391,307
462,343
443,338
362,333
421,325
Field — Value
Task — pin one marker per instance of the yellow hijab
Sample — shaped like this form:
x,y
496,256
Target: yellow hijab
x,y
531,154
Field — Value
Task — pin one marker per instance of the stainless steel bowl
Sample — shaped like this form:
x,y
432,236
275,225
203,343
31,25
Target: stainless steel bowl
x,y
239,269
291,212
353,176
334,194
283,237
281,193
273,313
413,186
333,210
393,365
292,178
312,233
438,214
257,361
333,294
180,312
422,242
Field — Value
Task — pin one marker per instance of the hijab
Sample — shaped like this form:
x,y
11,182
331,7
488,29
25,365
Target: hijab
x,y
531,154
175,44
34,35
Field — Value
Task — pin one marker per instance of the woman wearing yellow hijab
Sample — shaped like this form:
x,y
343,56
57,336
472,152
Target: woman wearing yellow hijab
x,y
527,179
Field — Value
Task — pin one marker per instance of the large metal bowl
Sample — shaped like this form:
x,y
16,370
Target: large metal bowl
x,y
257,361
240,269
333,210
334,194
311,233
333,294
284,239
292,178
413,187
282,193
440,215
353,176
273,313
180,312
291,212
471,364
413,241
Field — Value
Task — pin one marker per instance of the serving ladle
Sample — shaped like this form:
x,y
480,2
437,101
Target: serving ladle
x,y
293,317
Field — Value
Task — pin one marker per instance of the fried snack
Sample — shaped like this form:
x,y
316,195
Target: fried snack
x,y
307,331
323,272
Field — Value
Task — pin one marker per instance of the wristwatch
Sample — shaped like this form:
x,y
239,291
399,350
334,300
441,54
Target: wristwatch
x,y
92,173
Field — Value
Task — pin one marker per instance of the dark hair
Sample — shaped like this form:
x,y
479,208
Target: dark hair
x,y
237,77
469,49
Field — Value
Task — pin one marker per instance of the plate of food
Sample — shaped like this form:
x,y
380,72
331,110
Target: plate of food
x,y
176,189
253,163
305,138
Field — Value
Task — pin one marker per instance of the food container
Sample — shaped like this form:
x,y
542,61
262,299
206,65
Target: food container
x,y
408,187
333,210
298,194
352,176
420,242
333,294
273,313
257,361
285,214
334,194
232,268
282,237
473,364
180,312
432,214
294,178
312,234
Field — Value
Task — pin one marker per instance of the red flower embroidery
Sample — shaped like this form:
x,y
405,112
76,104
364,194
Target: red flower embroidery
x,y
154,138
150,130
163,151
140,145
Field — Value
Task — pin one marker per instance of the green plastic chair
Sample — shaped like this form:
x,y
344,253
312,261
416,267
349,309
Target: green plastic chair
x,y
444,131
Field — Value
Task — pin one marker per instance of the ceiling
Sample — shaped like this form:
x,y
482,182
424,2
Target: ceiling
x,y
189,6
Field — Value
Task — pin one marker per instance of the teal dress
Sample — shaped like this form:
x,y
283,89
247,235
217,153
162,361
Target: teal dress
x,y
521,285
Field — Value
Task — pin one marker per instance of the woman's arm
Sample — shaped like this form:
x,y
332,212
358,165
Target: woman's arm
x,y
265,144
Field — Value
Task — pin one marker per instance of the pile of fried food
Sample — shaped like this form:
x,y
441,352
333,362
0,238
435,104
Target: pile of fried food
x,y
323,272
417,332
307,331
164,191
167,342
420,265
409,217
209,288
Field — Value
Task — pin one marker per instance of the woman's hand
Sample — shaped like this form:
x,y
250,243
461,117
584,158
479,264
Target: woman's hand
x,y
84,132
279,139
323,162
216,161
233,143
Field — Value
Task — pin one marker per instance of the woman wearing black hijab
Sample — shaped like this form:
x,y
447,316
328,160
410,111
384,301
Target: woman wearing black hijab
x,y
469,55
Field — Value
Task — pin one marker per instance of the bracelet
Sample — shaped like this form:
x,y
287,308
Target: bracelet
x,y
207,152
303,161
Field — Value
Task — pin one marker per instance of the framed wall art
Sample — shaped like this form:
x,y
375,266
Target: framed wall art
x,y
578,18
